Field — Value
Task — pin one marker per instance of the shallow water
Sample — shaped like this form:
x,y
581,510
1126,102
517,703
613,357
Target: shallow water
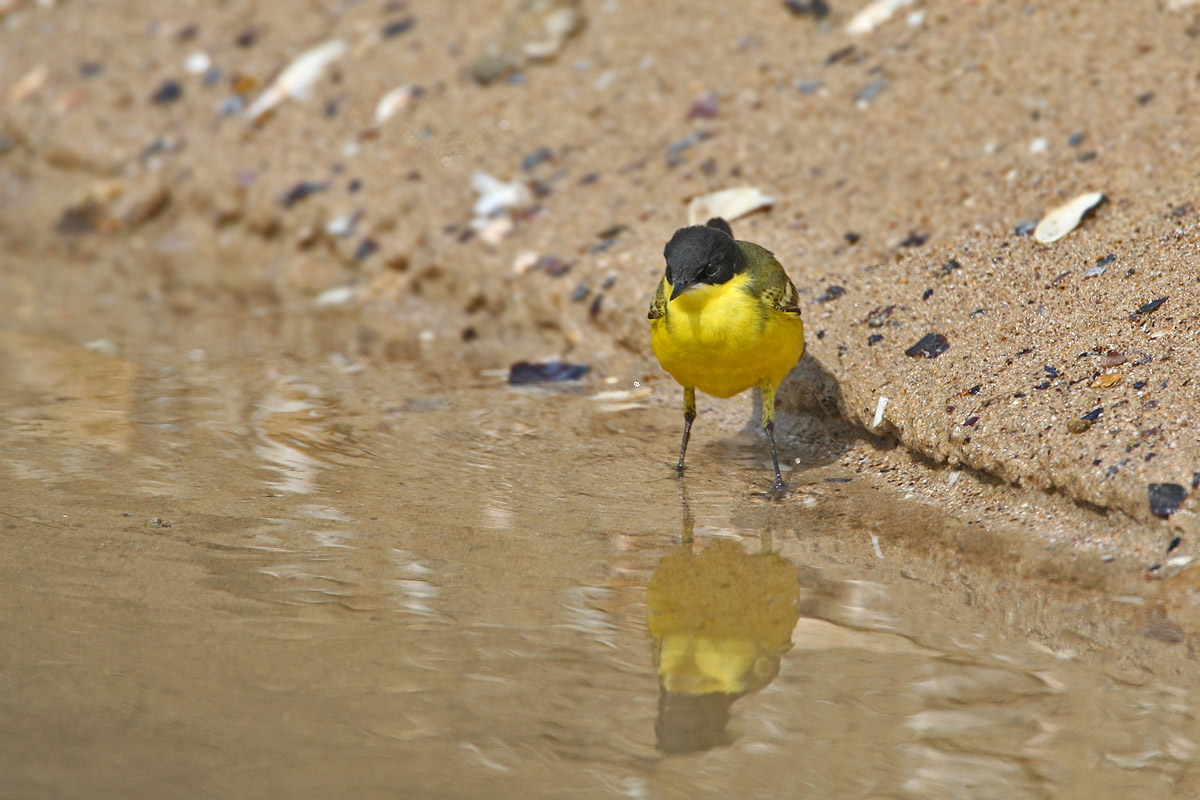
x,y
275,576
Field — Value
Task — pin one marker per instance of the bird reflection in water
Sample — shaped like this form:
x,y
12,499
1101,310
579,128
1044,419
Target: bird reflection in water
x,y
721,620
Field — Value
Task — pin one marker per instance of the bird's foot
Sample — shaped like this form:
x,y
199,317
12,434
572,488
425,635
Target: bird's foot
x,y
778,489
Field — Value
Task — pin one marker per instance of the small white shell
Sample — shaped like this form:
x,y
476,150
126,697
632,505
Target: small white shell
x,y
495,195
298,77
729,204
874,15
1064,219
391,103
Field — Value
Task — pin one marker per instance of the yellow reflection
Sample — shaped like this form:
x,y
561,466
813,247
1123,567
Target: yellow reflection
x,y
721,620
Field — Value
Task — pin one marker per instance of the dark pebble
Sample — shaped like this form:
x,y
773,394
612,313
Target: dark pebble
x,y
841,54
536,157
832,293
247,38
90,69
970,422
366,248
554,266
354,186
1108,259
301,191
1052,372
977,313
1145,98
703,107
1195,480
606,244
580,292
807,86
1178,540
524,372
594,308
168,92
814,8
974,389
1139,385
1148,307
77,220
1166,498
915,239
1094,414
393,29
1026,227
869,92
851,237
873,338
931,345
1075,139
677,148
1043,385
950,266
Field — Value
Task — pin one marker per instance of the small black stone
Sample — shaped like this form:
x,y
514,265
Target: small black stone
x,y
168,92
832,293
398,27
1094,414
1148,307
535,158
931,345
818,9
524,372
301,191
873,338
928,293
1165,498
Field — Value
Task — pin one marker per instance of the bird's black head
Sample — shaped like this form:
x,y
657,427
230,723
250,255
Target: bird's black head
x,y
702,254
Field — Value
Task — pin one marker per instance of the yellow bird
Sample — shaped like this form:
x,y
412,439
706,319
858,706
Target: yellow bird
x,y
725,319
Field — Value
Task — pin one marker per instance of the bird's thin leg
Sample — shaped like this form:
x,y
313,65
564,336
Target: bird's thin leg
x,y
778,488
689,414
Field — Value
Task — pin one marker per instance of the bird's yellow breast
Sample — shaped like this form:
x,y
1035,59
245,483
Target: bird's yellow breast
x,y
723,340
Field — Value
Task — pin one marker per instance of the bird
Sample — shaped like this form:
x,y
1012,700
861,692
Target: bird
x,y
725,318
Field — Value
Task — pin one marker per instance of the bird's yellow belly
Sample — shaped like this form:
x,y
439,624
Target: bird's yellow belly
x,y
722,341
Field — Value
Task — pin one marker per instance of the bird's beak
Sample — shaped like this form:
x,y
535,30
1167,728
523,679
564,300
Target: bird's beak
x,y
679,288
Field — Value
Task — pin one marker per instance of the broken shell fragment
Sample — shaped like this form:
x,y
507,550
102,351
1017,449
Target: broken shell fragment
x,y
297,78
874,15
1064,219
392,103
728,204
496,196
536,32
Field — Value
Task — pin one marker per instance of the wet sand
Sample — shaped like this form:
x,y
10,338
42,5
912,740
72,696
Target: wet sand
x,y
900,161
260,575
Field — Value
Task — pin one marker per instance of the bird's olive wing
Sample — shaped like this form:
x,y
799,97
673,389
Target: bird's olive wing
x,y
781,295
658,307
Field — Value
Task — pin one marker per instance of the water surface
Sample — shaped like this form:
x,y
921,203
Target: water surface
x,y
269,576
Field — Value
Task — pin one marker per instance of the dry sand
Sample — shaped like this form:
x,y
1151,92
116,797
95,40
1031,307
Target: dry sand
x,y
901,161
